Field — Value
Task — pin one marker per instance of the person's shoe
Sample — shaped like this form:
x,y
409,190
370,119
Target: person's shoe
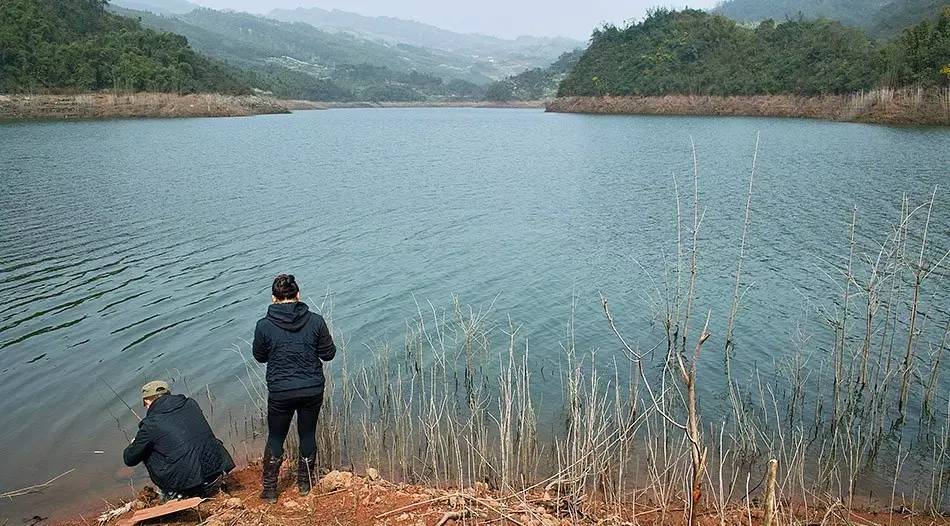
x,y
305,467
271,473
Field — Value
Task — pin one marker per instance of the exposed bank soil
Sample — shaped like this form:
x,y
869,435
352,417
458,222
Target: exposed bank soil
x,y
110,106
299,105
881,106
342,498
515,104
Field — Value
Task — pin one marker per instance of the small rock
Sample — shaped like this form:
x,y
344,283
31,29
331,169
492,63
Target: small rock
x,y
402,518
291,504
335,480
372,474
234,503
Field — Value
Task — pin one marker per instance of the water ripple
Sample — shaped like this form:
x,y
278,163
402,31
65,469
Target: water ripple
x,y
120,259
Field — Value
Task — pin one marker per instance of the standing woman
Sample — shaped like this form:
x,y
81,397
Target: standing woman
x,y
293,342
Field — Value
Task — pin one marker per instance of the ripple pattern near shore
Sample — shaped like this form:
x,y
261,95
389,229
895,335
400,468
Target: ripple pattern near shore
x,y
131,250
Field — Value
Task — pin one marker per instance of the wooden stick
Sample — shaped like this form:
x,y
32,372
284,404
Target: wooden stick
x,y
415,505
35,488
770,519
331,493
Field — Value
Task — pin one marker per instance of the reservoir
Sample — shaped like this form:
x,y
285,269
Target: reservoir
x,y
132,250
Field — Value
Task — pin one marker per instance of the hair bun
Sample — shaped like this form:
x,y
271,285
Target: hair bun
x,y
285,287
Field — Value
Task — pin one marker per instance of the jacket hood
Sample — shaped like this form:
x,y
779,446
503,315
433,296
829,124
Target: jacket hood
x,y
289,316
168,403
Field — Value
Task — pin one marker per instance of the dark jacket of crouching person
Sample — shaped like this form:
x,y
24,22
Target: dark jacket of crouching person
x,y
180,452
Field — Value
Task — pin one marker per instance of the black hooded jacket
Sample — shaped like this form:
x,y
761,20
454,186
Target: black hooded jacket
x,y
177,445
293,342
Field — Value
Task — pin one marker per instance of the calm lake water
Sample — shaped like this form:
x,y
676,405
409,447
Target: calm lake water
x,y
138,249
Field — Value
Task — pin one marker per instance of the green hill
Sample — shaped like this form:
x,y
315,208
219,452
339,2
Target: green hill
x,y
501,57
536,83
892,18
75,45
848,12
920,56
694,52
881,18
298,60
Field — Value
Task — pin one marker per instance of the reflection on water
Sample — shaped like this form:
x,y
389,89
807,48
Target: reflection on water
x,y
138,249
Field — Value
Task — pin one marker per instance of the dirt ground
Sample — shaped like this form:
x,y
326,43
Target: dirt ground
x,y
342,498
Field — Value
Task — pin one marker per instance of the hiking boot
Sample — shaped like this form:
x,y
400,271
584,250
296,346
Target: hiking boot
x,y
305,467
271,472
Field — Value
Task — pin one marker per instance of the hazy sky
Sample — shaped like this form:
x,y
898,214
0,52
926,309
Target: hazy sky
x,y
504,18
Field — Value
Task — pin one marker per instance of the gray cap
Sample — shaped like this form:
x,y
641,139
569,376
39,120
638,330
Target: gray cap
x,y
155,388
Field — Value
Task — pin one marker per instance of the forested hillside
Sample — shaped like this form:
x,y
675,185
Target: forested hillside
x,y
76,45
893,18
881,18
497,56
299,61
536,83
694,52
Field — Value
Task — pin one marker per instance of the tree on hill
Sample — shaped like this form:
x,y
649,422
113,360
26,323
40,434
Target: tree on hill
x,y
891,20
534,84
849,12
76,45
880,18
694,52
921,55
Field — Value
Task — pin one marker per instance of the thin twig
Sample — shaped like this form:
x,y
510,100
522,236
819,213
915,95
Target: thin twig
x,y
37,488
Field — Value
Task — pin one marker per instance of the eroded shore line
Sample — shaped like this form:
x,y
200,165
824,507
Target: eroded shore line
x,y
86,106
514,104
134,105
908,107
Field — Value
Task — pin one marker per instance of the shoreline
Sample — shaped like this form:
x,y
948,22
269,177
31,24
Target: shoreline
x,y
898,107
95,106
893,107
87,106
364,498
515,104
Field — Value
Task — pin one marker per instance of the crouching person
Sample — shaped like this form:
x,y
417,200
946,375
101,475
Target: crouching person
x,y
180,452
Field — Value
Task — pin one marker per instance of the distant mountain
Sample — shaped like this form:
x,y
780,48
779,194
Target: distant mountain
x,y
510,57
535,84
158,6
894,17
881,18
302,61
